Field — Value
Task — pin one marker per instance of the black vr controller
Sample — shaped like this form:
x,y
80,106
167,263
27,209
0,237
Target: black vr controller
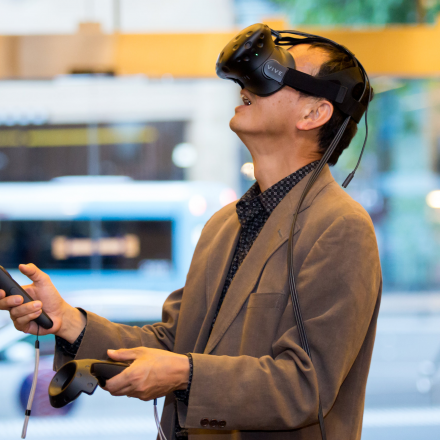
x,y
81,376
11,287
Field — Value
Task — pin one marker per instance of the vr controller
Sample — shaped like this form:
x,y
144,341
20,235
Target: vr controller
x,y
81,376
11,287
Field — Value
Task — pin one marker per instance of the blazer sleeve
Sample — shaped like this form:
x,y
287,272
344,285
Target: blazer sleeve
x,y
338,285
101,334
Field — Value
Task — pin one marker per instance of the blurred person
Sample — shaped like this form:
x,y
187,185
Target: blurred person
x,y
226,354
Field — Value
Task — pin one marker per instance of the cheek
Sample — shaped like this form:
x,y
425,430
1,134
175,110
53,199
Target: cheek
x,y
274,114
267,115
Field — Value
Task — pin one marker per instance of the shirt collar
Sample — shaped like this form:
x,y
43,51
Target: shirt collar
x,y
253,201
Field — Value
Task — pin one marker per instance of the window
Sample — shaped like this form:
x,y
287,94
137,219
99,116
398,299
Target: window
x,y
85,244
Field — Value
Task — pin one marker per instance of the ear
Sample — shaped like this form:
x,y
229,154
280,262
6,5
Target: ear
x,y
315,115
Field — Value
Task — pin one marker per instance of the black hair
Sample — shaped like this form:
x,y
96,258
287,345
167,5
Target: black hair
x,y
337,61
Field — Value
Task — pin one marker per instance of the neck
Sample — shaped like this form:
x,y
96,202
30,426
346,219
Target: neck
x,y
272,165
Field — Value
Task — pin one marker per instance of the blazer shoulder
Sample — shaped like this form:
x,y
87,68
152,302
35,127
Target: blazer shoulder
x,y
332,202
213,225
216,221
222,214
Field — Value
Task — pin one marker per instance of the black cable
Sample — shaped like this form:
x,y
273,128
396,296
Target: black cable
x,y
285,41
351,175
310,38
292,284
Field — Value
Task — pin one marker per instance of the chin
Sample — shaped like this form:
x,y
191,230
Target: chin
x,y
234,125
240,124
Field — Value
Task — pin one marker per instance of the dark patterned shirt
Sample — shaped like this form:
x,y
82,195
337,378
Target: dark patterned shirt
x,y
253,210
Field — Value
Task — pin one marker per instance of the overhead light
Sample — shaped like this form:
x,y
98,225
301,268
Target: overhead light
x,y
197,205
433,199
227,196
184,155
248,170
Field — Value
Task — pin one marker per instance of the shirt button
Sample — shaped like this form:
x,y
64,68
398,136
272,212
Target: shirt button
x,y
204,422
213,423
221,424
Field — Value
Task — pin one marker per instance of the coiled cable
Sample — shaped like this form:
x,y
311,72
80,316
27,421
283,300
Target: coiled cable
x,y
33,388
157,420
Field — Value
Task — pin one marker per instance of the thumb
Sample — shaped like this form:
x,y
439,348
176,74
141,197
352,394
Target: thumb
x,y
35,274
123,354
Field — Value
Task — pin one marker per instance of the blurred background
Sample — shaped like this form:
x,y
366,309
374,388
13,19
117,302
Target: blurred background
x,y
115,150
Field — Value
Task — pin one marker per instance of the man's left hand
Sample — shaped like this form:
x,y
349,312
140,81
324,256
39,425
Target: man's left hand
x,y
152,374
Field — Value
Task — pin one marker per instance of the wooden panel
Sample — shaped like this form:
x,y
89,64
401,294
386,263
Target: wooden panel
x,y
43,56
404,50
9,50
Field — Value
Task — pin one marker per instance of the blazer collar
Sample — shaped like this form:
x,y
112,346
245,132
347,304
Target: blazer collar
x,y
274,233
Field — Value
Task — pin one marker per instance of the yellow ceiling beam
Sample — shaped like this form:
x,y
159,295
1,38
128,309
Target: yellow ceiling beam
x,y
181,55
395,50
401,50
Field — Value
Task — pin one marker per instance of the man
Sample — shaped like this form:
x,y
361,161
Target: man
x,y
227,352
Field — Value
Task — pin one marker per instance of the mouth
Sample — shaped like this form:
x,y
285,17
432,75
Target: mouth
x,y
246,100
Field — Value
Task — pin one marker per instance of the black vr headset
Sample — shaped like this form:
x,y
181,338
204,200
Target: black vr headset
x,y
258,63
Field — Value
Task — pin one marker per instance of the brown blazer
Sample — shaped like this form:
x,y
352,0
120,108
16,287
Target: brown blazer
x,y
252,373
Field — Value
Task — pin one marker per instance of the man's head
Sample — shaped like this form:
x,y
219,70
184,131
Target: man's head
x,y
307,122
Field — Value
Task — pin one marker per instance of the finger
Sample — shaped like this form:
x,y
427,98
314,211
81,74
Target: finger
x,y
124,391
35,274
140,396
22,323
26,309
118,382
10,301
124,354
124,379
34,329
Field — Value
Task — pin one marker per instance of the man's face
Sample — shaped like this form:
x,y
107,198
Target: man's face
x,y
278,113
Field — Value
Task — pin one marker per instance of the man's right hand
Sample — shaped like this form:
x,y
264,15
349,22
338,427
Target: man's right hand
x,y
68,322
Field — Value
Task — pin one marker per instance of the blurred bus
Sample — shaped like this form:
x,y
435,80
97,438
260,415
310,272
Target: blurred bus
x,y
106,233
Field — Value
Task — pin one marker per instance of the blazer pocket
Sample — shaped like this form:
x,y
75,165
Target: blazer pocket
x,y
266,300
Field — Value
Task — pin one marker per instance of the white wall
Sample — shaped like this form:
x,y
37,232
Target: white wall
x,y
176,15
22,17
207,105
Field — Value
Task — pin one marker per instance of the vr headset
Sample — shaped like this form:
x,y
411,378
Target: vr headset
x,y
257,62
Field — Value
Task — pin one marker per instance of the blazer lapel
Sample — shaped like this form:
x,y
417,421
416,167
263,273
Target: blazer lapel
x,y
274,233
217,267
